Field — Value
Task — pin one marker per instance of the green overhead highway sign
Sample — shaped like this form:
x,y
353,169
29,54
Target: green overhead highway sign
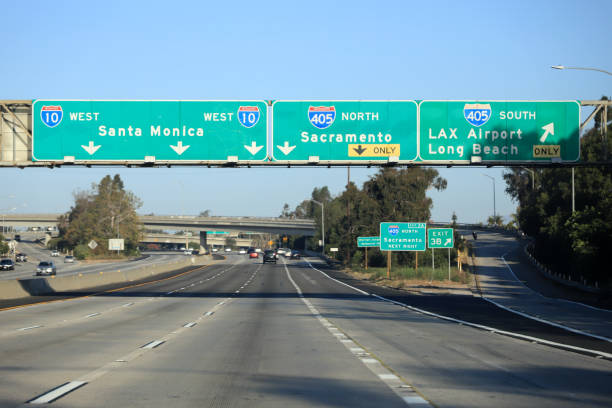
x,y
149,131
440,238
497,131
344,131
363,242
402,236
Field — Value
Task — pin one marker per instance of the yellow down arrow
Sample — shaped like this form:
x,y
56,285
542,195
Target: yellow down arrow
x,y
373,150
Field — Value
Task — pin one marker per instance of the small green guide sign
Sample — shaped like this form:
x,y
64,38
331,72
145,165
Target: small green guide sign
x,y
440,238
149,130
402,236
368,242
346,131
498,131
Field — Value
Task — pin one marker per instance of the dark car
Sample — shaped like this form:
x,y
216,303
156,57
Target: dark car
x,y
46,268
7,264
20,257
295,254
269,256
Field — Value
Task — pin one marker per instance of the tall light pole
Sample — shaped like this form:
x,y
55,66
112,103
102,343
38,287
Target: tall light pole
x,y
532,177
494,212
4,210
322,223
604,121
581,68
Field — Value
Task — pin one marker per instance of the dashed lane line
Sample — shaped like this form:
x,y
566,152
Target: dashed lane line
x,y
396,383
567,347
66,388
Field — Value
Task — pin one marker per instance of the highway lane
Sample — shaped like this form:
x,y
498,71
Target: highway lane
x,y
37,253
497,259
251,340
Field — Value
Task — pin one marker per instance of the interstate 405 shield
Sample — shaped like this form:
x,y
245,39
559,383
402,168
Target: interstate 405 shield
x,y
498,131
346,131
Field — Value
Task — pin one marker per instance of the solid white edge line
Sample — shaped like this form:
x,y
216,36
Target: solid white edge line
x,y
547,321
388,379
493,330
58,392
336,280
29,328
546,297
478,326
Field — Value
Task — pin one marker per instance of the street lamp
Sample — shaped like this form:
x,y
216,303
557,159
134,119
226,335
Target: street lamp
x,y
494,212
4,211
532,176
322,222
581,68
604,121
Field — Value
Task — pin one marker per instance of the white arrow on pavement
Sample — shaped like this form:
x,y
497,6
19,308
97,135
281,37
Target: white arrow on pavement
x,y
286,148
179,148
91,149
253,148
550,128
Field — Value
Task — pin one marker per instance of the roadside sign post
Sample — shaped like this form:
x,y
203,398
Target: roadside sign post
x,y
402,236
365,242
441,238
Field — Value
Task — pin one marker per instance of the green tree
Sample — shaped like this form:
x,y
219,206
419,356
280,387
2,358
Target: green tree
x,y
106,211
4,248
575,244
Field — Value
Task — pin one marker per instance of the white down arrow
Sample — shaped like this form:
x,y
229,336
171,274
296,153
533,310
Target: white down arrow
x,y
179,148
286,148
253,148
91,149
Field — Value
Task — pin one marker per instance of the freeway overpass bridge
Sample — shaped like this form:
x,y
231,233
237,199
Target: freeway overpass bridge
x,y
305,227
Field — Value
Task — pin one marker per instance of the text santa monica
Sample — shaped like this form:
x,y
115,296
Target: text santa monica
x,y
153,131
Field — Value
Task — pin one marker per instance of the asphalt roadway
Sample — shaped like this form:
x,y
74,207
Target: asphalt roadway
x,y
237,333
37,253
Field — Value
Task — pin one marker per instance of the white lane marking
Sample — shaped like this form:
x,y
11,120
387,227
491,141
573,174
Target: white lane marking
x,y
577,331
57,392
128,304
547,321
29,327
369,361
546,297
503,332
188,325
397,385
478,326
153,344
93,314
209,313
415,401
336,280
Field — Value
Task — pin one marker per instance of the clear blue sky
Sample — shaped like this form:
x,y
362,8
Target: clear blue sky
x,y
290,50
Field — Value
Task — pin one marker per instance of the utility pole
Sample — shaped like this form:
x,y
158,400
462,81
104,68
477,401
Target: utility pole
x,y
348,215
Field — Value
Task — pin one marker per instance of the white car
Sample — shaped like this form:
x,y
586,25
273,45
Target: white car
x,y
242,251
55,252
188,252
228,249
215,250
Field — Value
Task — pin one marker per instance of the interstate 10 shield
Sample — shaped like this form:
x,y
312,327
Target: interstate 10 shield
x,y
248,116
51,115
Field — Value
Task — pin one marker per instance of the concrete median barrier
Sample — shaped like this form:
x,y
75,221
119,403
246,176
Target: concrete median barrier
x,y
21,288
